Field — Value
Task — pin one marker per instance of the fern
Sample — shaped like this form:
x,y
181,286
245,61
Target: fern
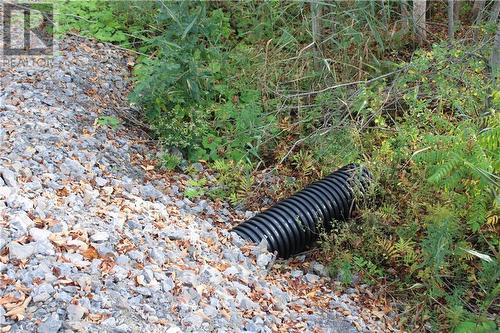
x,y
438,244
389,251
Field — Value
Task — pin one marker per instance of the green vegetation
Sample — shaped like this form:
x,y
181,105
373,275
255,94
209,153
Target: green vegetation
x,y
243,87
108,121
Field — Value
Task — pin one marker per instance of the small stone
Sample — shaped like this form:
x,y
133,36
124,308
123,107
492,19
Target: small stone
x,y
319,269
99,237
40,234
51,325
167,284
247,304
231,271
122,260
194,321
108,190
72,167
105,251
148,275
197,166
158,256
123,328
20,252
101,181
44,247
75,312
150,192
175,234
41,297
264,259
20,223
188,278
6,192
136,255
311,278
9,177
110,322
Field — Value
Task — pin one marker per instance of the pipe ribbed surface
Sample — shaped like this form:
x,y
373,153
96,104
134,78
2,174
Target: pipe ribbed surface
x,y
294,223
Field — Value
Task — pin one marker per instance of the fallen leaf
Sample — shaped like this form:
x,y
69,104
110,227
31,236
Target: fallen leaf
x,y
9,298
97,317
58,239
22,288
17,313
90,253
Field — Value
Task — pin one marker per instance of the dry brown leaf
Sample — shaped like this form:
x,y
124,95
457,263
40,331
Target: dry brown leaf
x,y
78,244
58,239
124,246
65,281
90,253
5,281
62,192
17,313
22,288
9,298
97,317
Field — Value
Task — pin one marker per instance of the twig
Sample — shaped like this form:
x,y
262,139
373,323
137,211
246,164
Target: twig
x,y
315,92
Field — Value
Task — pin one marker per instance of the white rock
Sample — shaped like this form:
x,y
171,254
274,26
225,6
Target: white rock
x,y
174,329
44,247
100,236
20,252
42,297
5,192
20,223
101,181
51,325
9,177
40,234
75,312
110,322
123,328
263,259
231,271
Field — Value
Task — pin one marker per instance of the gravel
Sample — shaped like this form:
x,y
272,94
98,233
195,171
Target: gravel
x,y
98,241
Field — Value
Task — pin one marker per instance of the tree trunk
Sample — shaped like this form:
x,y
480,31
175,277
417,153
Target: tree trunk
x,y
419,9
405,15
477,17
451,18
477,11
456,11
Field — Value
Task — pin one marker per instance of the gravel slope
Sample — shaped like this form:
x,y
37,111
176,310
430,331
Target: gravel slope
x,y
93,239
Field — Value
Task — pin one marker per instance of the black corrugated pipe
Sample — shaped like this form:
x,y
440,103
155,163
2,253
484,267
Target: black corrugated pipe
x,y
294,223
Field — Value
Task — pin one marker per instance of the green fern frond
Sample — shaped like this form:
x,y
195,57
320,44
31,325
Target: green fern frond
x,y
389,251
489,138
445,169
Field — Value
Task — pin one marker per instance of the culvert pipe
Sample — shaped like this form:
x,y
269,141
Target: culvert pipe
x,y
295,223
